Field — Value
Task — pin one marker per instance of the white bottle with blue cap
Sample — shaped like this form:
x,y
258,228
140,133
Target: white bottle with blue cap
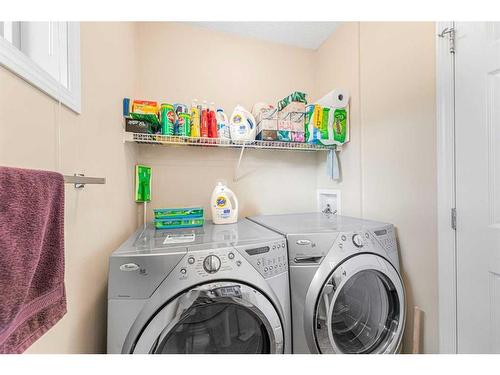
x,y
224,204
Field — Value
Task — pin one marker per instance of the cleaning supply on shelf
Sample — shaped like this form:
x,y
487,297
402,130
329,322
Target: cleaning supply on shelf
x,y
337,128
142,183
212,122
266,117
296,96
224,205
341,125
204,123
183,125
126,107
313,119
195,119
242,125
222,124
291,117
297,124
148,117
145,110
284,127
145,107
167,116
325,112
137,126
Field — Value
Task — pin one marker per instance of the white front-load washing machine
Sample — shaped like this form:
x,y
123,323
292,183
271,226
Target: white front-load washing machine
x,y
216,289
346,289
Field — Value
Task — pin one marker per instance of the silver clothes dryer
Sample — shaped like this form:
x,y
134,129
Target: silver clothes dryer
x,y
347,294
216,289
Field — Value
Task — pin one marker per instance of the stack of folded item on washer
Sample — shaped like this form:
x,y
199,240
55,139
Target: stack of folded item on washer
x,y
173,218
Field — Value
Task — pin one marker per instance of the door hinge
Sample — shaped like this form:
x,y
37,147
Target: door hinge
x,y
450,32
454,218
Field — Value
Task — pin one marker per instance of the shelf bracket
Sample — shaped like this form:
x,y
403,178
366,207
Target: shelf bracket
x,y
237,169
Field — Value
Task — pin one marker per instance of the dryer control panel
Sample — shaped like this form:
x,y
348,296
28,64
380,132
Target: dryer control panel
x,y
367,241
269,259
387,238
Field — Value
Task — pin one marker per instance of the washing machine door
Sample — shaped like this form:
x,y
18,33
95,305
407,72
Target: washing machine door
x,y
361,308
220,317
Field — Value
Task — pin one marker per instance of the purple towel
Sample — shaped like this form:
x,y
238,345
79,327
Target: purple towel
x,y
32,295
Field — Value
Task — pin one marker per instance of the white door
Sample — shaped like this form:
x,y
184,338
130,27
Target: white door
x,y
477,132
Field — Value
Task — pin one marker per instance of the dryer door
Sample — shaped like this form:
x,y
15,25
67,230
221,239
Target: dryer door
x,y
221,317
361,308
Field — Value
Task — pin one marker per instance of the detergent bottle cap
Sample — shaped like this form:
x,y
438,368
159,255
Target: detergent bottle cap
x,y
221,182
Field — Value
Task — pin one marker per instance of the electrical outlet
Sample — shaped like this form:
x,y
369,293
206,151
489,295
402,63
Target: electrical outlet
x,y
329,201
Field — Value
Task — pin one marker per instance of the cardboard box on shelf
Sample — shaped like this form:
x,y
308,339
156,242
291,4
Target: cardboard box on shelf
x,y
137,126
267,124
284,135
284,122
298,137
267,135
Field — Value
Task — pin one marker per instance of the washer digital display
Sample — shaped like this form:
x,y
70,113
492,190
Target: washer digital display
x,y
258,250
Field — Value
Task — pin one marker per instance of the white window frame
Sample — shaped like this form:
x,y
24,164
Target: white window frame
x,y
21,65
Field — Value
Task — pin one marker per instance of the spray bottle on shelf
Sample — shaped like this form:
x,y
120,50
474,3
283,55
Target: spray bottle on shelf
x,y
224,204
212,122
195,119
204,123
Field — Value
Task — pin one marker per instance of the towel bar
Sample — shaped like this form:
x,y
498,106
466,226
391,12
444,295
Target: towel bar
x,y
80,180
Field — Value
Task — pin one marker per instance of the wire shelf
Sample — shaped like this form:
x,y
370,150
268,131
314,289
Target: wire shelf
x,y
159,139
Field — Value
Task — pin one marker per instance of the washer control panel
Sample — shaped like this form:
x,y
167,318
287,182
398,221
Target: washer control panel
x,y
269,259
206,263
355,241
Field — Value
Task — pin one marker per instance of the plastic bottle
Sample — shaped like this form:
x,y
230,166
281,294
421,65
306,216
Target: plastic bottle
x,y
222,124
195,119
212,122
204,123
242,125
224,205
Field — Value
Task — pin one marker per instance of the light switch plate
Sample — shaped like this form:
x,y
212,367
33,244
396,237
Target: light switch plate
x,y
329,200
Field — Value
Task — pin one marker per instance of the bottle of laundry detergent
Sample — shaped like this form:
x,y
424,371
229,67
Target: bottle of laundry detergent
x,y
224,205
242,125
222,125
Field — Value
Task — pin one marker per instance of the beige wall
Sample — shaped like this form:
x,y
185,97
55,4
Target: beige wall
x,y
98,218
228,70
399,154
337,66
389,168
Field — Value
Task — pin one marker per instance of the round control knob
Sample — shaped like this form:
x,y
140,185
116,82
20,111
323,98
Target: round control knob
x,y
357,240
230,255
191,260
211,264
